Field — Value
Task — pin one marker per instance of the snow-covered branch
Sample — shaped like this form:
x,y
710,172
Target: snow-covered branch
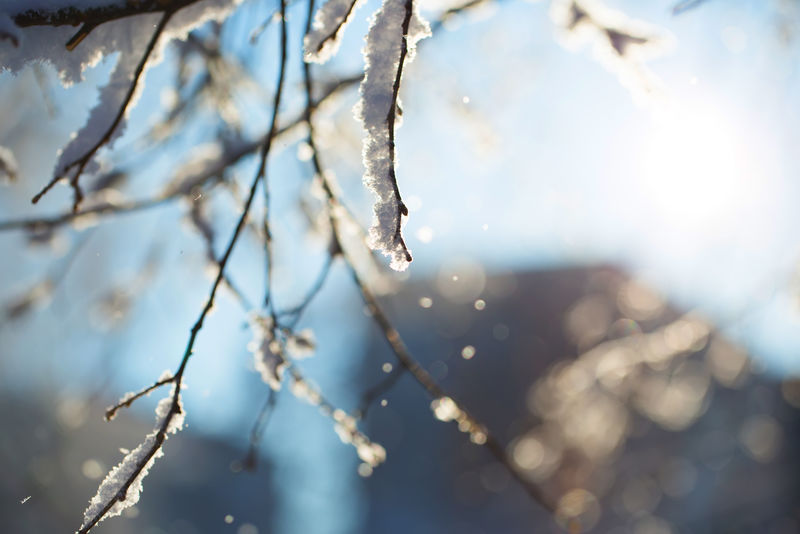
x,y
396,28
322,40
123,484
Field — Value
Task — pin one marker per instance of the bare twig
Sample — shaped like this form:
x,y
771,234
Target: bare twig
x,y
206,231
250,461
36,223
296,312
378,390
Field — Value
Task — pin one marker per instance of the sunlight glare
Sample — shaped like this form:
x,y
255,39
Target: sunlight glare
x,y
697,169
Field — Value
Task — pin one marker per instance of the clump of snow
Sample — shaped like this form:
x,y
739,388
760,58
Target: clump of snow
x,y
301,345
386,44
446,409
267,357
368,451
123,484
322,42
305,391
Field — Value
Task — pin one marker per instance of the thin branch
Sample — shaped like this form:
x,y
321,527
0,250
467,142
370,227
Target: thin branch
x,y
80,164
96,15
45,289
378,390
262,166
128,400
686,5
402,210
250,461
36,223
296,312
204,228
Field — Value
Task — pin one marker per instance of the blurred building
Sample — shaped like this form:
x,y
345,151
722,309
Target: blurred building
x,y
636,416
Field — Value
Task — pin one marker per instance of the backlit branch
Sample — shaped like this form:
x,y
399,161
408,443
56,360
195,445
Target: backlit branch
x,y
80,164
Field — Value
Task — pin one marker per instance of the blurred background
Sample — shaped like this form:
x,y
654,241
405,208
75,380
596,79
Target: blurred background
x,y
603,220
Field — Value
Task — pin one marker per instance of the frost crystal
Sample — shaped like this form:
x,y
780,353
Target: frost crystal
x,y
386,46
123,484
322,42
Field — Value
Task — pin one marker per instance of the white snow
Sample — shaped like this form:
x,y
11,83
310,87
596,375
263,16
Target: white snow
x,y
119,476
346,428
302,344
619,43
267,358
8,165
382,57
126,37
322,42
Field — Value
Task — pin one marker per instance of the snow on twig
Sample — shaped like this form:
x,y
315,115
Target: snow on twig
x,y
123,484
396,27
322,42
621,44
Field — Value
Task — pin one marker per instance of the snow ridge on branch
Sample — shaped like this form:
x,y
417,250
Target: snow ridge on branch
x,y
123,484
322,42
393,34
